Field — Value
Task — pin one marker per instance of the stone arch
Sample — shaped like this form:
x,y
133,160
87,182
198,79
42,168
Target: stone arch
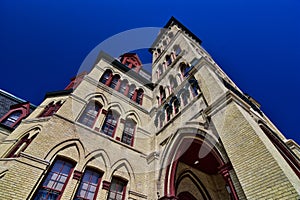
x,y
122,168
194,181
132,114
99,154
108,68
116,107
65,145
180,143
36,129
96,96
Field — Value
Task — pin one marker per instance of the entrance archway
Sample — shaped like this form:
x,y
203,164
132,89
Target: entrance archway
x,y
196,170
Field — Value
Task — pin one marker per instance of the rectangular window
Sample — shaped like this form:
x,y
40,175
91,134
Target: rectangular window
x,y
55,182
89,186
117,190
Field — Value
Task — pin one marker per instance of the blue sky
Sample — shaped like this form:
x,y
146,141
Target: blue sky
x,y
257,43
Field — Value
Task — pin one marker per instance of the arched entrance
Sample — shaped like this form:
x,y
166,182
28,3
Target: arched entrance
x,y
196,170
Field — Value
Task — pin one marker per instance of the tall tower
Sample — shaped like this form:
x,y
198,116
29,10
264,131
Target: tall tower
x,y
115,133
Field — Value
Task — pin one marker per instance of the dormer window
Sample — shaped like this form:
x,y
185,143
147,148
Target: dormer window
x,y
12,118
50,109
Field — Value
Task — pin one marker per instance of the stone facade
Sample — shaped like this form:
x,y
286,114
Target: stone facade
x,y
190,133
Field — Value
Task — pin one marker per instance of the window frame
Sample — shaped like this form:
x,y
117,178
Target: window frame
x,y
100,173
132,134
108,124
121,180
49,190
85,114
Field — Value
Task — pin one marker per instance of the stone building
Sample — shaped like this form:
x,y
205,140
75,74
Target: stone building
x,y
186,131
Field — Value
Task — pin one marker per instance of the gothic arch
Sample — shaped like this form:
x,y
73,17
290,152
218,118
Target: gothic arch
x,y
132,114
65,145
116,107
99,154
180,143
196,182
128,174
96,96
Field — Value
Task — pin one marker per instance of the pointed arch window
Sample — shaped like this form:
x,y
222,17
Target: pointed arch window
x,y
110,123
90,114
128,133
89,185
12,119
106,77
21,145
117,189
55,181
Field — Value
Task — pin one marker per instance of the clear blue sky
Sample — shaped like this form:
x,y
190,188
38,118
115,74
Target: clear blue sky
x,y
257,43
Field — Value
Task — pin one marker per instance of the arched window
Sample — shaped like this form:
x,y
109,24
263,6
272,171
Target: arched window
x,y
110,124
159,70
162,93
55,181
173,82
184,96
124,87
115,82
12,119
168,60
168,109
90,114
194,86
89,185
131,91
176,104
117,189
139,97
50,109
21,145
184,69
128,133
106,77
161,119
